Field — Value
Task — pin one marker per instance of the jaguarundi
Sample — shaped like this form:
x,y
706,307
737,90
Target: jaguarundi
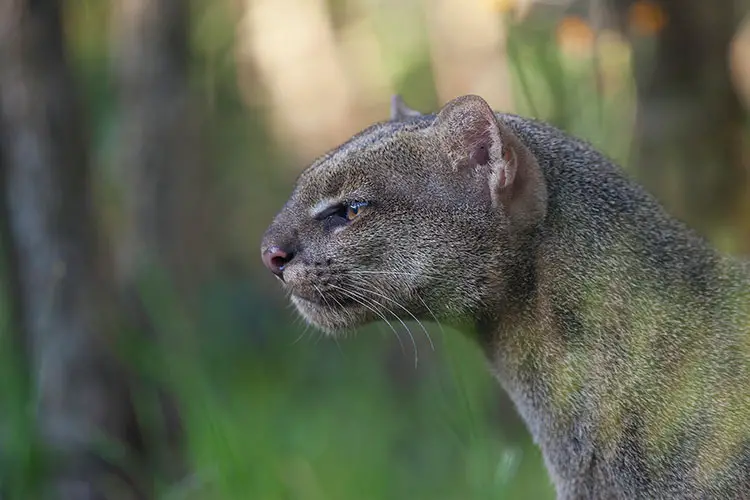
x,y
622,336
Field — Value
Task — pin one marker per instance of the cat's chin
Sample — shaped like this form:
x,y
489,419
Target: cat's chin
x,y
332,319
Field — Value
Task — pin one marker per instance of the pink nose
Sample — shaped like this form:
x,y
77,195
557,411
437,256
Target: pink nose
x,y
275,259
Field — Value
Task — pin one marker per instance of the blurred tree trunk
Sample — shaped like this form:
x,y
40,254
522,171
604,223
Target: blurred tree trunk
x,y
160,159
160,153
689,118
82,395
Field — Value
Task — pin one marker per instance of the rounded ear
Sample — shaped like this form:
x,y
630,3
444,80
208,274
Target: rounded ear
x,y
400,111
471,136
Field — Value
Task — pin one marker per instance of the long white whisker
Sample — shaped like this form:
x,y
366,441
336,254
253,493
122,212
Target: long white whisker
x,y
338,345
351,295
408,330
307,328
337,302
322,296
394,273
361,300
442,331
427,334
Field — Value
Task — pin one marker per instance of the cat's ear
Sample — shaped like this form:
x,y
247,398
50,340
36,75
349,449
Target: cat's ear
x,y
400,111
471,136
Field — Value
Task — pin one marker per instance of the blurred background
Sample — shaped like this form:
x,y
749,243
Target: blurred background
x,y
145,145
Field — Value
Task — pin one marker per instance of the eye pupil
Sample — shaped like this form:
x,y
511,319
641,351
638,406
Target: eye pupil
x,y
352,211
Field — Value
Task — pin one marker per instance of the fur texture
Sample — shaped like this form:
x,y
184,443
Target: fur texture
x,y
622,337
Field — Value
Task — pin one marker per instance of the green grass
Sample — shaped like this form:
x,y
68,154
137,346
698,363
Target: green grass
x,y
322,421
269,417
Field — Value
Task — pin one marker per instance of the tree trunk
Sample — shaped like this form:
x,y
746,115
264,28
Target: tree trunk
x,y
82,395
160,153
689,118
164,186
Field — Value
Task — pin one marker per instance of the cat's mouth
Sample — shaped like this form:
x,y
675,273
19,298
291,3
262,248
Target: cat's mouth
x,y
331,314
310,303
321,300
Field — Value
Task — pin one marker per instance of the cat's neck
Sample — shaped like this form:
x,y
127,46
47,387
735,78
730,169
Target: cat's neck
x,y
612,368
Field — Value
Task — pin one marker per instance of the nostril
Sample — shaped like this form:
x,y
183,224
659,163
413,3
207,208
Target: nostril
x,y
279,262
275,259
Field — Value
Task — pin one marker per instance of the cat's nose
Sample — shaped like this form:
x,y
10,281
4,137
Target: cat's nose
x,y
275,259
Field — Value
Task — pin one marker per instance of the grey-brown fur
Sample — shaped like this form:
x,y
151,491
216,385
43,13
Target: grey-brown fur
x,y
621,336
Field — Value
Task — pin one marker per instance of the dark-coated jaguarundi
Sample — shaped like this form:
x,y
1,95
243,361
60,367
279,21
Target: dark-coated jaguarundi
x,y
622,337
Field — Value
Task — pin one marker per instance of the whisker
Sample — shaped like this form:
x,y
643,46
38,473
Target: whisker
x,y
350,294
416,355
317,290
394,273
338,345
307,328
440,325
322,296
341,306
317,339
299,319
421,325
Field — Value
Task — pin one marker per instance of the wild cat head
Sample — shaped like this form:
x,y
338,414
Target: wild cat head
x,y
416,217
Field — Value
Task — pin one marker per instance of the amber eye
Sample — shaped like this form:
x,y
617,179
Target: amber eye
x,y
352,211
342,214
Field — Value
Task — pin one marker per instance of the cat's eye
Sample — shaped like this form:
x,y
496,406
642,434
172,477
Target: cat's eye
x,y
341,214
353,209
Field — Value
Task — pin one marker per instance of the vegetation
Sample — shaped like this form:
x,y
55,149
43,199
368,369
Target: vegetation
x,y
270,409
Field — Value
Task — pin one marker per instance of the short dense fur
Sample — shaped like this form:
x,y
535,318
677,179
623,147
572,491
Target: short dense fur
x,y
622,337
